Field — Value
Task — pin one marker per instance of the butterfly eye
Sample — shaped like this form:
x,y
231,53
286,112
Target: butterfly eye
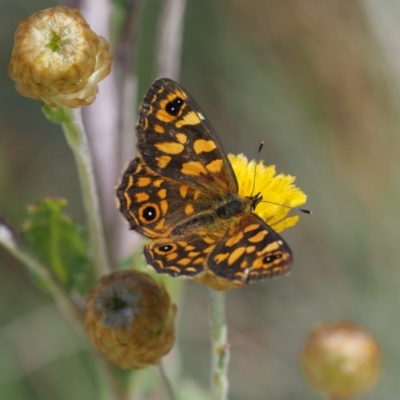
x,y
272,258
174,106
149,213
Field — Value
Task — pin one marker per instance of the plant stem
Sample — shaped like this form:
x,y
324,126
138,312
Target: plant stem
x,y
219,346
170,35
168,390
77,139
60,295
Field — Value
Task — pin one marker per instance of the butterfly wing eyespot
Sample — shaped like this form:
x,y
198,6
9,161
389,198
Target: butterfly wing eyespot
x,y
174,106
165,248
149,212
184,257
270,258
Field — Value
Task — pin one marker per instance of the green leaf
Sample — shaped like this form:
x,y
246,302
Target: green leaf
x,y
57,241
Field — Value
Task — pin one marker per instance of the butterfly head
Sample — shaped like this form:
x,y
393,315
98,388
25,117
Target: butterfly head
x,y
255,200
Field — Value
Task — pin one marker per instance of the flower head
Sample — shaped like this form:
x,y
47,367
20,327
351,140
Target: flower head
x,y
130,318
57,58
274,189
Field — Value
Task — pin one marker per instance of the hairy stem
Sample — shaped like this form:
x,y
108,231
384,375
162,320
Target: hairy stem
x,y
219,346
168,390
77,139
170,34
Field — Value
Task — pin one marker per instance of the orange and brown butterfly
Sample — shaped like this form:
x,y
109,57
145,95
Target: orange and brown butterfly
x,y
181,191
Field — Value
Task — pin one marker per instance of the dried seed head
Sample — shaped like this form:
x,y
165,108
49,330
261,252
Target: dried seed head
x,y
130,318
341,359
57,58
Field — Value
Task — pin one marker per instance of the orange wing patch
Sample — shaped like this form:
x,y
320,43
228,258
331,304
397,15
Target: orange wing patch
x,y
163,116
202,145
194,168
189,210
183,190
258,237
170,147
159,128
141,197
191,118
162,194
163,161
181,138
143,181
236,254
215,166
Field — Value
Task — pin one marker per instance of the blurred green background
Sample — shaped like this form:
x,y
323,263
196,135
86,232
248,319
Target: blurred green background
x,y
319,82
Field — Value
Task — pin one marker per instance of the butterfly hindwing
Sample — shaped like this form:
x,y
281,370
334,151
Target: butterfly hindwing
x,y
249,251
184,256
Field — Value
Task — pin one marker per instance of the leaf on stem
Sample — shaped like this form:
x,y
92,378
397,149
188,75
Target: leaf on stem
x,y
57,241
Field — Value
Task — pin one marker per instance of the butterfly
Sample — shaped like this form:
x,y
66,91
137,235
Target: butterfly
x,y
182,193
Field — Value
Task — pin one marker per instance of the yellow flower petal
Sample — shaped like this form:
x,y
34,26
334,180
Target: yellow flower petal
x,y
274,189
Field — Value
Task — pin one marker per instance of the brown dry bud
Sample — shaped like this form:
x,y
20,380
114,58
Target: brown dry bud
x,y
341,359
130,318
58,59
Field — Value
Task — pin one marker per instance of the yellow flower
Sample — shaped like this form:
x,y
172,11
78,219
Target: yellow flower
x,y
57,58
274,189
130,318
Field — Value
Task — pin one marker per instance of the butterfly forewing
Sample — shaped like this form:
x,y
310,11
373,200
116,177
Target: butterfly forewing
x,y
154,205
176,140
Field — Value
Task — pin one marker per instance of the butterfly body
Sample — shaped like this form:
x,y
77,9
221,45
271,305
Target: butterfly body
x,y
181,192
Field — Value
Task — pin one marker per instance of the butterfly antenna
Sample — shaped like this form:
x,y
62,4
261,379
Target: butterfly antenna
x,y
255,167
303,210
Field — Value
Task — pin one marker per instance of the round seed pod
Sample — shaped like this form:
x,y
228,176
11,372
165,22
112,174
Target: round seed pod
x,y
130,318
341,359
